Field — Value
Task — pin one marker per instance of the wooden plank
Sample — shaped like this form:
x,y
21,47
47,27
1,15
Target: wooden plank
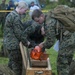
x,y
39,72
34,70
35,63
43,68
24,54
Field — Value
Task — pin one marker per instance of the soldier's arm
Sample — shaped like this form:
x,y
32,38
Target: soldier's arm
x,y
17,27
50,34
27,32
22,34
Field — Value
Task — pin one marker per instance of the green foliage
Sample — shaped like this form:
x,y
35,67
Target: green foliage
x,y
47,1
65,2
6,1
25,17
3,60
53,59
51,5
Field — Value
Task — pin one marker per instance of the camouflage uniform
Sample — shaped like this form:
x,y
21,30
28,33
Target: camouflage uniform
x,y
66,50
33,33
13,34
2,14
72,68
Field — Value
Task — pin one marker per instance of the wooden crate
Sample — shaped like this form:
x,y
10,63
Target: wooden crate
x,y
37,70
39,63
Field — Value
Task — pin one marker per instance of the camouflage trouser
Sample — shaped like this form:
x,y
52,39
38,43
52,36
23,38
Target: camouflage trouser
x,y
15,61
72,68
64,60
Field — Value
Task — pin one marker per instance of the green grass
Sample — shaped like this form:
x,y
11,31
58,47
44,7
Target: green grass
x,y
53,59
3,60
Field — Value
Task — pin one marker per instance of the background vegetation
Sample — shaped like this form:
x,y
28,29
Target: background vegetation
x,y
53,54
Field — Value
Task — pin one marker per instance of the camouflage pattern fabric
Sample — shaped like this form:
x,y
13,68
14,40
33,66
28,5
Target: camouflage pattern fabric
x,y
13,31
64,60
49,33
72,68
33,34
65,54
15,61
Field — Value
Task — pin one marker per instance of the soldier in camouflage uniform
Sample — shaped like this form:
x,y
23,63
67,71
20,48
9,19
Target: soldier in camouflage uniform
x,y
13,34
67,40
3,6
34,33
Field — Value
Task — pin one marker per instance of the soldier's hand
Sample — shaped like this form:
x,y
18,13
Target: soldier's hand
x,y
28,43
41,45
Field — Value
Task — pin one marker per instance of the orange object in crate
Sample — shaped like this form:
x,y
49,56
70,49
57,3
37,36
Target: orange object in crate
x,y
36,53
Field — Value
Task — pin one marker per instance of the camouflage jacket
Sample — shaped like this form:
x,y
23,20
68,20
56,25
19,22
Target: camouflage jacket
x,y
13,31
33,33
67,39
